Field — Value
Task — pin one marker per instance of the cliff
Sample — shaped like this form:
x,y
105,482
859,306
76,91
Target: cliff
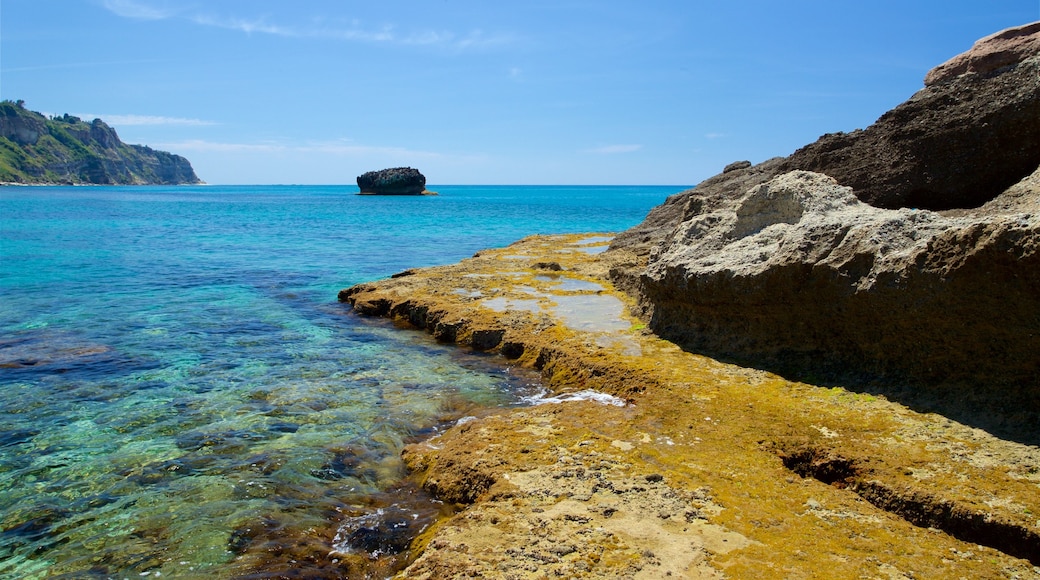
x,y
67,150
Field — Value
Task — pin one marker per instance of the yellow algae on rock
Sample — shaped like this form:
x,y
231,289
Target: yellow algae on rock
x,y
710,470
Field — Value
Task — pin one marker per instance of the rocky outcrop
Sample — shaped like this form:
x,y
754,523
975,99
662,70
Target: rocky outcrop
x,y
800,274
394,181
738,463
828,262
1005,48
67,150
957,143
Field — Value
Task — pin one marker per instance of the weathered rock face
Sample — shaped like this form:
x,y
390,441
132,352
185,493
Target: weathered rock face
x,y
799,274
970,134
395,181
954,144
780,266
996,51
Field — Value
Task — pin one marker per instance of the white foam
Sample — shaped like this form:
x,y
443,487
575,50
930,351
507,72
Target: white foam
x,y
586,395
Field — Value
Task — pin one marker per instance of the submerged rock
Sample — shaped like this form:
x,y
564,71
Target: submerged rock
x,y
395,181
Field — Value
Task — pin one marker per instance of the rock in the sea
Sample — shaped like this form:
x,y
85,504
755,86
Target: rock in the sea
x,y
394,181
828,260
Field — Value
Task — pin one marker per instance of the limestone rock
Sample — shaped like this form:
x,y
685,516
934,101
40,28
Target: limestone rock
x,y
954,144
798,273
394,181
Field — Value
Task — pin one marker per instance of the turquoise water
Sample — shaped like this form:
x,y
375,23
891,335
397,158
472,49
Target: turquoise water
x,y
182,396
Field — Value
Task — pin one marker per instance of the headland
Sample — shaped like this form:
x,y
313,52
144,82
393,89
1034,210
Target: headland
x,y
65,150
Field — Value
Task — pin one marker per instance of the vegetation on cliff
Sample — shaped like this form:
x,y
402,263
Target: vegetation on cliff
x,y
35,149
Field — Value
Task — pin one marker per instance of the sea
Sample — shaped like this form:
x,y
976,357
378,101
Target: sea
x,y
182,395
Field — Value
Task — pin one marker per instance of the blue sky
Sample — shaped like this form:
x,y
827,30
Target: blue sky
x,y
481,92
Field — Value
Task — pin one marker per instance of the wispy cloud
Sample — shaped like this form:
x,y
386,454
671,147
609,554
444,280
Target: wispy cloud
x,y
352,30
714,135
614,149
137,10
127,120
338,148
78,65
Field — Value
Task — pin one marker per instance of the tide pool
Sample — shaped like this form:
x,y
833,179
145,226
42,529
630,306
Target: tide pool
x,y
182,396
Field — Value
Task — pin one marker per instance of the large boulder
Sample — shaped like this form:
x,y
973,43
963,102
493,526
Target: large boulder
x,y
799,274
394,181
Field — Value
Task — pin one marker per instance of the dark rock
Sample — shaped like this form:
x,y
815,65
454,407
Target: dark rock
x,y
487,339
395,181
736,165
385,532
956,144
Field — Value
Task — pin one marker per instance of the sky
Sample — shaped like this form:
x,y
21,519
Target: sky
x,y
481,91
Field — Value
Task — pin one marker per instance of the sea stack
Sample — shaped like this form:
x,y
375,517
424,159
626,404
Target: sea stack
x,y
394,181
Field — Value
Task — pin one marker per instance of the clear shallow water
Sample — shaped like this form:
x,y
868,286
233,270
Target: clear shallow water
x,y
181,394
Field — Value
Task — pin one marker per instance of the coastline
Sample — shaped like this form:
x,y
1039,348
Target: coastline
x,y
709,469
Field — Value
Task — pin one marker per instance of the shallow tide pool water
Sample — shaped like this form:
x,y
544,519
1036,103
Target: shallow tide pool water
x,y
182,396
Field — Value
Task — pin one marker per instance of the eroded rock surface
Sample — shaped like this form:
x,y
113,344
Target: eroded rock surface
x,y
794,264
800,272
710,470
957,143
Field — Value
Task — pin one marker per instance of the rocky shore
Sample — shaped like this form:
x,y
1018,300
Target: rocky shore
x,y
708,470
820,365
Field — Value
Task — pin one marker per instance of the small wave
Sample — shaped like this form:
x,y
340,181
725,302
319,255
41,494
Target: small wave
x,y
586,395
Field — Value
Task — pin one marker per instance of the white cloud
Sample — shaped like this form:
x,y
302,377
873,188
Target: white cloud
x,y
612,149
136,10
339,148
126,120
714,135
352,31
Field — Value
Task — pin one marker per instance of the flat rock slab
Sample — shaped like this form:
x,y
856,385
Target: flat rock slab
x,y
709,469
